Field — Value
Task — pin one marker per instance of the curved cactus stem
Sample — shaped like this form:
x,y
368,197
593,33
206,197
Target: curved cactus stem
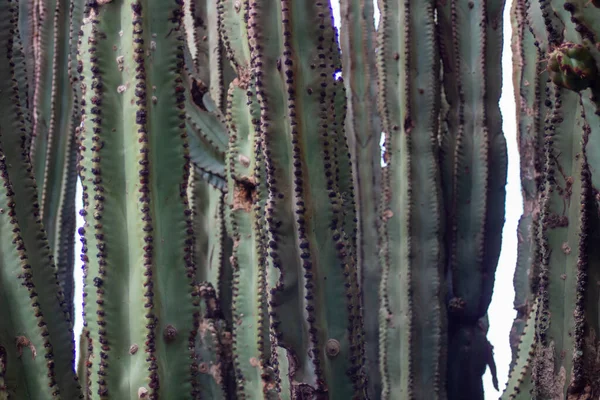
x,y
53,150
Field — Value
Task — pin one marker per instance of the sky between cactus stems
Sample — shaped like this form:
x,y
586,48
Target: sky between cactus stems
x,y
501,313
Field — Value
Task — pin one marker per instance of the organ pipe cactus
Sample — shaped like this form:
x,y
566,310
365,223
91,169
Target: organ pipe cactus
x,y
241,237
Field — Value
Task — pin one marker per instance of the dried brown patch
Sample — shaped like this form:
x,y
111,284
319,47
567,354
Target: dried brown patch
x,y
21,342
548,384
244,194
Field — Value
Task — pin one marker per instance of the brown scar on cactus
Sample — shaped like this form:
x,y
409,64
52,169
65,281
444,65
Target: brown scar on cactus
x,y
548,384
199,89
21,342
244,194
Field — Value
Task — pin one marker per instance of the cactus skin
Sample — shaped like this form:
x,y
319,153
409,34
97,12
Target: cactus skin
x,y
363,130
445,242
56,117
564,360
474,159
209,51
141,305
310,210
36,345
530,76
412,315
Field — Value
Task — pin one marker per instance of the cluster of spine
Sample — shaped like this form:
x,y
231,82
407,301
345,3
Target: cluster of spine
x,y
555,67
36,345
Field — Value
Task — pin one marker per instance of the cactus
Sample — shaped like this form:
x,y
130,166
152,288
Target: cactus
x,y
242,239
363,131
559,119
141,304
36,336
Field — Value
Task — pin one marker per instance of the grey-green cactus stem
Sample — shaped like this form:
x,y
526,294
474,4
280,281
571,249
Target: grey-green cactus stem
x,y
558,109
474,168
364,133
529,78
563,242
28,28
209,51
139,303
310,200
412,330
213,347
212,246
246,200
53,150
27,259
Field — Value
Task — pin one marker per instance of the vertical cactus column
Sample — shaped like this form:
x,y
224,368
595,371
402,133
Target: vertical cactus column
x,y
139,288
443,197
562,360
412,316
530,78
314,300
56,116
36,345
363,130
474,161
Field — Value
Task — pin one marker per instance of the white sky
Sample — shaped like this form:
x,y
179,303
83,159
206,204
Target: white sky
x,y
501,313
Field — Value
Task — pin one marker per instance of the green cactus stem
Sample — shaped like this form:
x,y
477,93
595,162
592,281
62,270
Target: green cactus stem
x,y
520,384
141,305
246,200
530,77
363,130
209,51
314,305
36,336
56,117
412,330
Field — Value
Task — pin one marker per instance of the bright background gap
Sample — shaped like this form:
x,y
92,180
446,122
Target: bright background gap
x,y
501,312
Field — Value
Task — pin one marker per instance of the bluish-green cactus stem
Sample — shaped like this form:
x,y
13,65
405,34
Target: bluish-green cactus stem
x,y
564,357
363,130
310,211
412,315
246,200
36,333
55,119
141,305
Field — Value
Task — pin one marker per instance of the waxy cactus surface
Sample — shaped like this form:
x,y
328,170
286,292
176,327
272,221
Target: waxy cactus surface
x,y
244,235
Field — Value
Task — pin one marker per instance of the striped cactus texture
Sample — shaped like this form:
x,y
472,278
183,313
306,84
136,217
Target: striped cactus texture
x,y
247,236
